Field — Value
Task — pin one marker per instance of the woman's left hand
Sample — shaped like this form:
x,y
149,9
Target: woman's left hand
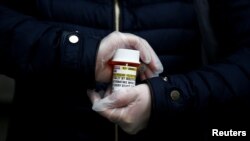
x,y
129,107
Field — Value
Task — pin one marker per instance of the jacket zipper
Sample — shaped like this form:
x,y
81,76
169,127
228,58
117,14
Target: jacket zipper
x,y
117,15
117,11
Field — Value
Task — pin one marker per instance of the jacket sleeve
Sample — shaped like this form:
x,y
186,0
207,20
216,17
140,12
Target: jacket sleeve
x,y
219,86
30,46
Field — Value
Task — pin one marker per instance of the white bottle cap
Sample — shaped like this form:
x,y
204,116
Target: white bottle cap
x,y
127,55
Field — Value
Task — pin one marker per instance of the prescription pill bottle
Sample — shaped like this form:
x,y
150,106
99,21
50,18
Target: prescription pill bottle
x,y
125,63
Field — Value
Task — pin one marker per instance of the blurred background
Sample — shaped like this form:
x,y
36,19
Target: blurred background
x,y
6,96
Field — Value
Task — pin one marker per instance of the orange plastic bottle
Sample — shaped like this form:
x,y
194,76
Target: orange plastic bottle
x,y
125,63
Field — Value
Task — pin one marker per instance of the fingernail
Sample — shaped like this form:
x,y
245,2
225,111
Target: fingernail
x,y
160,68
147,60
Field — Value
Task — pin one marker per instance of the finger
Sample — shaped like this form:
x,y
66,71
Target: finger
x,y
149,73
111,101
122,97
93,95
146,72
106,51
155,64
108,46
114,115
148,56
101,105
142,68
143,76
136,42
116,100
108,91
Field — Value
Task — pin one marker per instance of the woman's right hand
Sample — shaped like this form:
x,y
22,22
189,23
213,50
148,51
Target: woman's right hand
x,y
150,61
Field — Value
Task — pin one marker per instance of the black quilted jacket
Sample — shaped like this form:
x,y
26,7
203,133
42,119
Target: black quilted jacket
x,y
52,74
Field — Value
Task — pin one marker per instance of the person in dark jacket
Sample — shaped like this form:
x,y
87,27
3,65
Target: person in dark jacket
x,y
55,50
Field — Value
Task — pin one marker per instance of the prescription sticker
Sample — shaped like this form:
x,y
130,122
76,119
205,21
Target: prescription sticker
x,y
123,76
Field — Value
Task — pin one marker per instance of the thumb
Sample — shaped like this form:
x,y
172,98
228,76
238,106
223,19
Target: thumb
x,y
112,107
114,100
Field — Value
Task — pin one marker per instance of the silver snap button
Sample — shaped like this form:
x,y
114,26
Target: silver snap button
x,y
73,39
175,95
165,79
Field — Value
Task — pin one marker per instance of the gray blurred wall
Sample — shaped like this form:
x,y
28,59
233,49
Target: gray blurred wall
x,y
6,89
6,96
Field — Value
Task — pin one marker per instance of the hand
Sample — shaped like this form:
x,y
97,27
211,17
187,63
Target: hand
x,y
115,40
129,107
